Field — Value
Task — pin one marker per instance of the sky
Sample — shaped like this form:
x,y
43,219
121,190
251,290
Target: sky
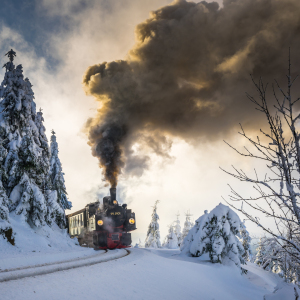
x,y
177,81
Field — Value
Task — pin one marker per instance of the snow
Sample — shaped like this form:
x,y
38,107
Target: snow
x,y
35,246
147,274
283,291
42,269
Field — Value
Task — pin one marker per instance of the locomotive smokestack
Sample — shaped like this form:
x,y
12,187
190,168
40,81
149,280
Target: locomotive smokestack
x,y
113,194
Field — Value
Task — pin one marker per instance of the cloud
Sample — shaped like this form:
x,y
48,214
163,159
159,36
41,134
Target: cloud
x,y
187,75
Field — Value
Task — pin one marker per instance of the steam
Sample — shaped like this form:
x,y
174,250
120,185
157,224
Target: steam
x,y
109,224
186,77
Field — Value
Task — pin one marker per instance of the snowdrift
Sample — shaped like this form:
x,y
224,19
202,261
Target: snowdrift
x,y
35,242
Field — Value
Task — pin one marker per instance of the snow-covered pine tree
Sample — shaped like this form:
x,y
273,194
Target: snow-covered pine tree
x,y
216,235
246,240
57,176
187,226
26,165
55,212
177,230
24,158
278,258
5,228
261,251
171,241
153,234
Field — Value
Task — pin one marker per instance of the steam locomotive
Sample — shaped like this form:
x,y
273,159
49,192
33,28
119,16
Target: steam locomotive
x,y
104,226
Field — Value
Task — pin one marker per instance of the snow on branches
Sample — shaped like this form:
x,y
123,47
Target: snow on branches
x,y
278,190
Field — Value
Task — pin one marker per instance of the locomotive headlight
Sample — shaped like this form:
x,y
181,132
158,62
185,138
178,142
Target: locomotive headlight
x,y
131,221
115,202
100,222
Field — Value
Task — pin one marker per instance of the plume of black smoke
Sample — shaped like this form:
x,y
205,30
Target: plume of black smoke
x,y
186,77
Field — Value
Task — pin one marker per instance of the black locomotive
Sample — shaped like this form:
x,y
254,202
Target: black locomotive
x,y
104,226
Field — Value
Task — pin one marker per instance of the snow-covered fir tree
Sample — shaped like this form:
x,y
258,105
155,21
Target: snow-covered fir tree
x,y
153,234
215,234
245,240
187,226
171,241
177,229
57,175
261,251
4,200
26,159
4,212
278,258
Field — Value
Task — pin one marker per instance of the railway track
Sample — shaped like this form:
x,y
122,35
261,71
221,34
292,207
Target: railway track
x,y
42,269
52,263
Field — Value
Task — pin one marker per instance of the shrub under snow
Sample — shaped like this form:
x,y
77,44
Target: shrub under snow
x,y
216,235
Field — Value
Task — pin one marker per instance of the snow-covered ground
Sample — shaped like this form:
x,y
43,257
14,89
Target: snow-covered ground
x,y
38,246
144,274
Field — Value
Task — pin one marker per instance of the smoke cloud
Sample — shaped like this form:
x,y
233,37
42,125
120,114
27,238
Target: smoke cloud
x,y
186,77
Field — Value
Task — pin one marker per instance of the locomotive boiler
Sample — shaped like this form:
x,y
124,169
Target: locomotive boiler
x,y
103,226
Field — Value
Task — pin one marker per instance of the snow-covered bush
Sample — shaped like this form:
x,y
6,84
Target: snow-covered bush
x,y
139,244
153,234
216,234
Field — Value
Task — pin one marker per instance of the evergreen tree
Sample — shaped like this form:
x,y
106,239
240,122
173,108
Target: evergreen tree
x,y
5,227
171,241
216,234
261,251
177,230
280,258
24,150
245,240
187,226
153,234
4,213
57,176
24,158
55,212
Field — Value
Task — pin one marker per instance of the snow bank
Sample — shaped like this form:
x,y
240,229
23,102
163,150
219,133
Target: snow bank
x,y
33,244
283,291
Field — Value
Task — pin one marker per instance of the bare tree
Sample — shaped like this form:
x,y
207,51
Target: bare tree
x,y
278,191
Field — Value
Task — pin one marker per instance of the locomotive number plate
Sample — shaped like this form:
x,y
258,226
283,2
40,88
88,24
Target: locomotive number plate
x,y
115,237
117,213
